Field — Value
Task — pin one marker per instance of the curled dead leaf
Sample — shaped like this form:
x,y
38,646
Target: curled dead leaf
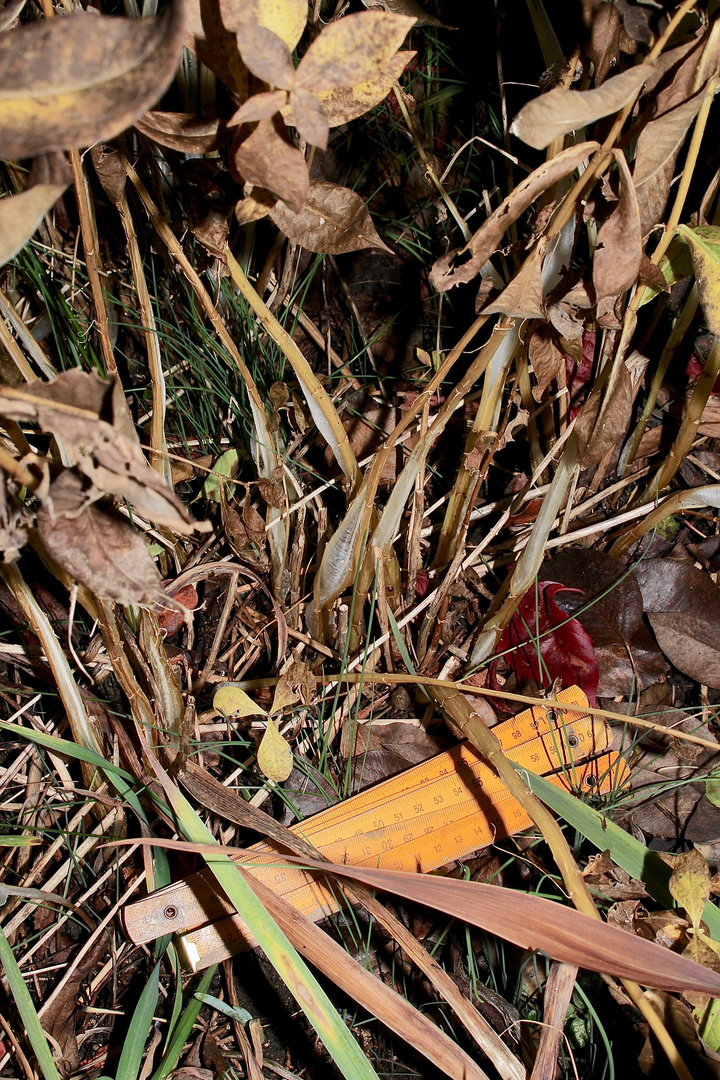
x,y
619,243
106,450
73,81
554,114
186,132
465,263
97,547
21,214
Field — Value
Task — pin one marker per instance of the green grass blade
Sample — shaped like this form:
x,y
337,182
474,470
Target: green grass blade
x,y
182,1029
139,1030
302,984
26,1008
625,850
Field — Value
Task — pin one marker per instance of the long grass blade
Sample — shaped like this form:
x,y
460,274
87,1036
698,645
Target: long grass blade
x,y
28,1013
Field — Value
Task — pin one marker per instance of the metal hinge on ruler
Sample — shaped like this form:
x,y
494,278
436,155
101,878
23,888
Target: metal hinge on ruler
x,y
441,810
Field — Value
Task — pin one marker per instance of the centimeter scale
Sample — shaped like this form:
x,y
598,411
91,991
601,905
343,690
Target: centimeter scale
x,y
441,810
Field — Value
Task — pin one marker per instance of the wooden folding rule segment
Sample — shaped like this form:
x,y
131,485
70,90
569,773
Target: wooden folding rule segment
x,y
441,810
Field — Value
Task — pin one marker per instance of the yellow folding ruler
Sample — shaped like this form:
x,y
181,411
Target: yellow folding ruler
x,y
441,810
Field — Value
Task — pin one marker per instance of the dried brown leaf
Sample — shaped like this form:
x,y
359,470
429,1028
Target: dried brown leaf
x,y
657,149
259,107
254,206
310,118
552,115
682,605
107,450
211,37
21,214
295,684
186,132
346,103
109,164
97,547
334,220
266,55
603,48
619,243
73,81
603,421
546,358
534,923
523,297
609,605
267,159
464,263
352,50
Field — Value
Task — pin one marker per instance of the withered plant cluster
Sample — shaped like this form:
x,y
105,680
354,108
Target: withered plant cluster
x,y
346,412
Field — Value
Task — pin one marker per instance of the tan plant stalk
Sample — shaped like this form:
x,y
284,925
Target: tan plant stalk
x,y
465,479
159,458
88,229
691,498
677,333
317,395
140,707
688,429
81,724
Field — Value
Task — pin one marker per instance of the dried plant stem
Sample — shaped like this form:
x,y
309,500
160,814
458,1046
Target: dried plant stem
x,y
81,724
690,498
15,352
88,228
428,682
158,444
140,707
173,245
307,377
458,709
678,332
465,479
689,427
429,171
17,470
683,187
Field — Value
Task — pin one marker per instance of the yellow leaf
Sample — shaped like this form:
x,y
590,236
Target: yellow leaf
x,y
343,104
274,755
230,700
705,251
286,18
690,884
352,50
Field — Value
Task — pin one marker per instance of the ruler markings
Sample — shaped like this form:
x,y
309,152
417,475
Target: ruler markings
x,y
429,815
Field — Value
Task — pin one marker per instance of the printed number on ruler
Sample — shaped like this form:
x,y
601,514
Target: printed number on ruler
x,y
438,811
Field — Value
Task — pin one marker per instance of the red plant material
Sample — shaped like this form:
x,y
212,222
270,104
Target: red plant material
x,y
577,375
171,619
694,369
564,650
